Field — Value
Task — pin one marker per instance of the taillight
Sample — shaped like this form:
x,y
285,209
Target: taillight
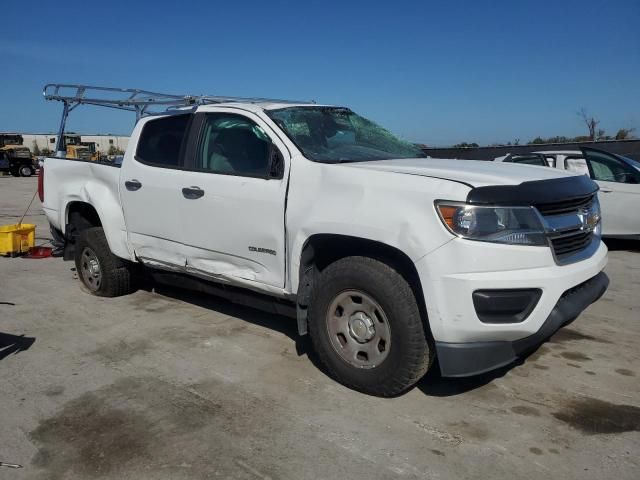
x,y
41,183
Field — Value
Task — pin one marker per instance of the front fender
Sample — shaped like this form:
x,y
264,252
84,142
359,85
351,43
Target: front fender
x,y
392,209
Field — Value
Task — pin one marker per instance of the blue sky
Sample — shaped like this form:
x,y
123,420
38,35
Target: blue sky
x,y
433,72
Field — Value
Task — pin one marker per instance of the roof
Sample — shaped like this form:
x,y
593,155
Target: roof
x,y
559,152
258,106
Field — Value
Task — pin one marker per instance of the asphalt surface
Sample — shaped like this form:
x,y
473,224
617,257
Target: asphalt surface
x,y
174,385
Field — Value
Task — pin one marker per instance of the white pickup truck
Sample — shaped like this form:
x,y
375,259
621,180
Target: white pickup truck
x,y
387,259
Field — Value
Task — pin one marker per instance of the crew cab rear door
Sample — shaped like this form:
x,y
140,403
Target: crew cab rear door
x,y
233,202
149,190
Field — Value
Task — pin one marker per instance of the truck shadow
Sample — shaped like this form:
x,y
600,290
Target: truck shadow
x,y
433,384
279,323
616,244
14,344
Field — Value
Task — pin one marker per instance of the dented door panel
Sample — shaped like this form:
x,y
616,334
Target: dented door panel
x,y
236,229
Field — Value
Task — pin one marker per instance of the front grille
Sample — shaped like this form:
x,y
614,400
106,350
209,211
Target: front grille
x,y
565,206
566,243
571,243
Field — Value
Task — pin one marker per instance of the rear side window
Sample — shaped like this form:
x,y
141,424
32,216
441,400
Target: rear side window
x,y
161,140
532,160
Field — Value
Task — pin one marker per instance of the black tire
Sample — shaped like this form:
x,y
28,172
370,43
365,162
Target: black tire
x,y
25,171
409,354
115,274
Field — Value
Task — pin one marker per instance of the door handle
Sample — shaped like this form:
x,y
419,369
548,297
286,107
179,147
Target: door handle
x,y
132,185
606,190
192,192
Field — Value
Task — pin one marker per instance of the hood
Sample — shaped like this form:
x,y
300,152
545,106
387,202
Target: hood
x,y
476,173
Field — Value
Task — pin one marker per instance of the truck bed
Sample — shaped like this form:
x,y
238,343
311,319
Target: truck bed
x,y
73,180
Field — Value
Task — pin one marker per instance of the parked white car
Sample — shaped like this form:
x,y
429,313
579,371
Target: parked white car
x,y
618,178
386,258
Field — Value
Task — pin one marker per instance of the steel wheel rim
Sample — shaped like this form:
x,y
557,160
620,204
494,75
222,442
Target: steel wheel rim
x,y
90,269
358,329
25,171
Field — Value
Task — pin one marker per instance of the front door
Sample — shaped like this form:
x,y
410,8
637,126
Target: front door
x,y
234,200
619,193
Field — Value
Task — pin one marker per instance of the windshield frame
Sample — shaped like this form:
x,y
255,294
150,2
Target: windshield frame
x,y
309,157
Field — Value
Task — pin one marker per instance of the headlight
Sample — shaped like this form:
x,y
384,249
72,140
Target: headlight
x,y
512,225
593,217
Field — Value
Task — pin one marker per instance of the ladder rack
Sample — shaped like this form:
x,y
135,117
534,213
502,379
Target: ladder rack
x,y
131,99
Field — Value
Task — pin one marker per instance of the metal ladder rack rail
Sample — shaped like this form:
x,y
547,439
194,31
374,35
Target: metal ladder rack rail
x,y
131,99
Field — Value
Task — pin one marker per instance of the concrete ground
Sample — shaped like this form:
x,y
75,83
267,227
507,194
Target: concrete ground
x,y
174,385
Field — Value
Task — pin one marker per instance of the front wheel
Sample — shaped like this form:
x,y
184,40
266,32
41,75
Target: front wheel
x,y
100,271
26,171
366,327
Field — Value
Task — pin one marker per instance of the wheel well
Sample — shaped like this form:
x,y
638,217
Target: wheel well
x,y
81,216
321,250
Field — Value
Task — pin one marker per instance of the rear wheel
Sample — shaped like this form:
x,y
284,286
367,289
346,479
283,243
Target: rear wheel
x,y
366,327
100,271
26,171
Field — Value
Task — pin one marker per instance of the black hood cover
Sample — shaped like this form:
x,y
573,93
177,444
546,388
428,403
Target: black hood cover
x,y
534,192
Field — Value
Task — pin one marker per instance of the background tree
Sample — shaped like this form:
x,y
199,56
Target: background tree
x,y
602,135
590,122
625,134
115,151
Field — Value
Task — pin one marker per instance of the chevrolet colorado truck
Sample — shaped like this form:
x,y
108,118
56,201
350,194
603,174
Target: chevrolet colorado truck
x,y
389,260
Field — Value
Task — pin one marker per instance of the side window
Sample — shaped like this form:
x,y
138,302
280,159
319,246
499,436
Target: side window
x,y
577,165
608,168
529,160
233,145
161,140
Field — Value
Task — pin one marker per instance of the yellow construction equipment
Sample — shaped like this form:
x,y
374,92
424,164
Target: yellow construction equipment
x,y
79,151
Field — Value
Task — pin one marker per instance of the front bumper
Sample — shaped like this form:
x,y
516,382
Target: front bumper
x,y
472,358
452,273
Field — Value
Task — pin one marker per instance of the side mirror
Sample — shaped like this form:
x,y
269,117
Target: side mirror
x,y
626,177
276,162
